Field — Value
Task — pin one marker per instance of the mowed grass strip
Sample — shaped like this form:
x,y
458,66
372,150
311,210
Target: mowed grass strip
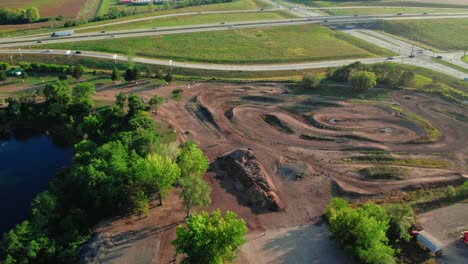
x,y
445,34
263,45
193,20
392,10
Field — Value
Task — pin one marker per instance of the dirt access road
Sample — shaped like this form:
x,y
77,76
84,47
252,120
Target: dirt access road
x,y
446,224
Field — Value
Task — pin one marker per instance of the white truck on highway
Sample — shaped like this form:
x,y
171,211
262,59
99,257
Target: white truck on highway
x,y
65,33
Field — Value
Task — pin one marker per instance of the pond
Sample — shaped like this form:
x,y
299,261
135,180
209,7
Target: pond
x,y
26,168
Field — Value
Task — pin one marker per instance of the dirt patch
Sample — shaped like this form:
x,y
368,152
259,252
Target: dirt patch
x,y
201,112
67,8
240,169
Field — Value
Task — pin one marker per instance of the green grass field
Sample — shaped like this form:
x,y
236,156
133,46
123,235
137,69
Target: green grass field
x,y
236,5
391,10
445,34
465,58
266,45
194,20
448,64
337,3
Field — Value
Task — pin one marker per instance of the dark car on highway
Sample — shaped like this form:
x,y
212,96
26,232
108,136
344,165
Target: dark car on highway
x,y
77,52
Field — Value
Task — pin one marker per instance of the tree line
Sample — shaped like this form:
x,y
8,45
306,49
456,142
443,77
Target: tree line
x,y
119,164
362,77
19,16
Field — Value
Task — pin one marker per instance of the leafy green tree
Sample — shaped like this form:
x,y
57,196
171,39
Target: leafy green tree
x,y
32,14
195,192
210,239
362,81
401,219
83,93
120,100
406,77
131,73
77,71
58,92
363,230
192,161
43,208
168,78
116,75
451,192
135,104
155,102
3,76
91,126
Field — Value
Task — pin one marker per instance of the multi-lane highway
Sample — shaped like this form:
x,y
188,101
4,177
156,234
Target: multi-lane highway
x,y
421,57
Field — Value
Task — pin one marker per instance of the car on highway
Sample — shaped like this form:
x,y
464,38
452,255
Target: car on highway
x,y
465,79
425,13
39,41
77,52
112,36
49,50
411,56
399,14
390,58
439,57
103,31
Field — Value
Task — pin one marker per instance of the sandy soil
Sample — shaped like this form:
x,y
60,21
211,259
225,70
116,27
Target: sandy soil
x,y
446,224
231,121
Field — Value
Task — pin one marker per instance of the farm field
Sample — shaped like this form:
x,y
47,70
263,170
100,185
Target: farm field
x,y
235,5
267,45
48,7
194,20
443,34
391,10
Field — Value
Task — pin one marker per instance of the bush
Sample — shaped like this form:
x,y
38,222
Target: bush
x,y
3,76
362,81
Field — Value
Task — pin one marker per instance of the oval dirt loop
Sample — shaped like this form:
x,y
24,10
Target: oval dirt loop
x,y
235,122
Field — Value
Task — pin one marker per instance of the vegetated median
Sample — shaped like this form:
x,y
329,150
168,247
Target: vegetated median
x,y
385,158
187,20
450,65
389,10
383,172
263,45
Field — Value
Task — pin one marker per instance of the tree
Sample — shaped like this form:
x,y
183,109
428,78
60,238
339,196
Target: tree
x,y
131,74
58,92
168,78
309,81
401,219
32,14
362,81
120,100
82,94
77,72
3,76
210,239
116,75
191,160
406,77
135,104
195,192
451,192
155,102
24,75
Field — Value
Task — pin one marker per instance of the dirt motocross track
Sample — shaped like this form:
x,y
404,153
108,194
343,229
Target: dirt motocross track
x,y
222,117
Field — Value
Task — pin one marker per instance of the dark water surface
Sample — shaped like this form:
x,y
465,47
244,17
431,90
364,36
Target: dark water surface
x,y
26,168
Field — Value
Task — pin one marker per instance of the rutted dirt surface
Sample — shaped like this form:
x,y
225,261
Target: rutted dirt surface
x,y
220,120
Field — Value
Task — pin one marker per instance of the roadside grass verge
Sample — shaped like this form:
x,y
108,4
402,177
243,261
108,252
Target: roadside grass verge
x,y
391,10
447,87
444,34
245,46
388,159
465,58
383,172
193,20
398,3
364,44
450,65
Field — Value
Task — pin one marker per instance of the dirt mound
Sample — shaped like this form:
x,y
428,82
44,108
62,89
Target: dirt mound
x,y
248,177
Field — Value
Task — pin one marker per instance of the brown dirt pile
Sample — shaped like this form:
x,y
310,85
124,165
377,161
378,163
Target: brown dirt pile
x,y
241,168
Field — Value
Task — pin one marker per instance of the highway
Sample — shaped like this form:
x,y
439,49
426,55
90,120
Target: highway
x,y
34,40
